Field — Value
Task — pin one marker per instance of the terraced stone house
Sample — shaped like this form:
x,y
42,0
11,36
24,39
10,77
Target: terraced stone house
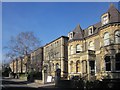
x,y
94,53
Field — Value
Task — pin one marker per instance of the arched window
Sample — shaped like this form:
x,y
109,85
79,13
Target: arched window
x,y
107,63
106,39
71,49
78,66
78,48
57,66
117,62
71,66
117,36
91,45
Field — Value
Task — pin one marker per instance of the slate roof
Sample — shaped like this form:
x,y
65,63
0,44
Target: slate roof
x,y
114,17
78,33
55,40
95,26
114,14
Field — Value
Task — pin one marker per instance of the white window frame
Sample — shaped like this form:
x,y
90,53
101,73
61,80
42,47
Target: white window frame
x,y
78,48
117,36
106,39
105,19
70,35
90,30
91,45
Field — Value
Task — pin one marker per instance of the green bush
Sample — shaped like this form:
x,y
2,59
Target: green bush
x,y
34,75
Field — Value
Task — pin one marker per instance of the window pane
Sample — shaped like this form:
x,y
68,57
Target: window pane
x,y
78,48
92,67
117,40
91,45
106,39
90,31
105,19
117,37
118,66
118,57
77,66
107,59
107,63
106,35
117,61
108,67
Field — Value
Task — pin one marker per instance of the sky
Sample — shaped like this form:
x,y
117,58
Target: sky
x,y
48,20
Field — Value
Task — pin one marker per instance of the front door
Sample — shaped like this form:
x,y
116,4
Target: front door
x,y
92,67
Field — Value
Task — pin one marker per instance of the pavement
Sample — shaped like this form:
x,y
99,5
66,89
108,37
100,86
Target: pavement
x,y
10,82
36,85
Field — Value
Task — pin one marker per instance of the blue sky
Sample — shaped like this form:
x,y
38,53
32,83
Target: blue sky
x,y
50,20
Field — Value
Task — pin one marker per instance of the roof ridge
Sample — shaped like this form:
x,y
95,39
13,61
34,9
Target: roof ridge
x,y
114,13
78,26
112,6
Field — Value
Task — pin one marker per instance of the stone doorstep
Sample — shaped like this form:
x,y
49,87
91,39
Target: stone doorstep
x,y
33,85
39,81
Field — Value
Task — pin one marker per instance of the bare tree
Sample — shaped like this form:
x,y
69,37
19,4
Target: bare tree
x,y
22,44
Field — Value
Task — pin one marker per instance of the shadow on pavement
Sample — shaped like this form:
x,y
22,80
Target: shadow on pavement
x,y
18,88
15,82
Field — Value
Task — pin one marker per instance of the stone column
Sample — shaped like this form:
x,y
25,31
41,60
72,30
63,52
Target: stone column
x,y
88,69
68,68
112,57
74,63
43,78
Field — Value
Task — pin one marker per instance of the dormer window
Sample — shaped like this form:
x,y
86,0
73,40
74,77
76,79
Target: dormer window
x,y
90,30
105,18
70,35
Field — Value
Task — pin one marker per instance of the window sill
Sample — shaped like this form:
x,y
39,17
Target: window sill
x,y
79,72
116,72
112,71
111,44
108,71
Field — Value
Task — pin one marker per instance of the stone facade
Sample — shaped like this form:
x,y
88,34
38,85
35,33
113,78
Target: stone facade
x,y
37,59
93,53
55,57
18,65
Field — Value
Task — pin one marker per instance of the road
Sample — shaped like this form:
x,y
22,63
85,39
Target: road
x,y
13,84
16,84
